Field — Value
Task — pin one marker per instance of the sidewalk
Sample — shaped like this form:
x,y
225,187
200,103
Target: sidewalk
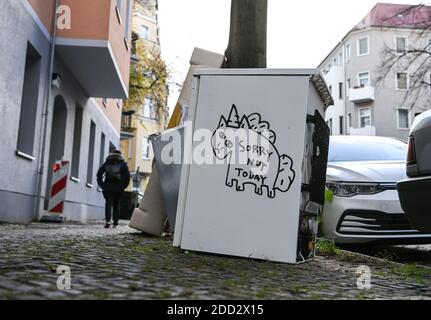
x,y
124,264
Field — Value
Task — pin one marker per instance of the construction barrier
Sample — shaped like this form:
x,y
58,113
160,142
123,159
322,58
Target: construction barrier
x,y
57,193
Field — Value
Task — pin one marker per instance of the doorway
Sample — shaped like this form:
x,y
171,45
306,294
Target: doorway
x,y
58,135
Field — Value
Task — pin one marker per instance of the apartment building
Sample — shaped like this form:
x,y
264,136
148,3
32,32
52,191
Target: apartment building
x,y
60,99
151,116
367,101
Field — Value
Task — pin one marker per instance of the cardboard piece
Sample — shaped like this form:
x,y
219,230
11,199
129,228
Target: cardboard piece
x,y
169,173
200,59
151,215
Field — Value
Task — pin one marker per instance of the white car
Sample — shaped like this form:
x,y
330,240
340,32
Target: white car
x,y
363,204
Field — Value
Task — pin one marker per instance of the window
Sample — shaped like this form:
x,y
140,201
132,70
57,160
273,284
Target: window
x,y
144,32
340,58
364,79
145,148
349,122
90,163
102,149
402,81
349,85
29,103
330,126
348,53
76,149
341,125
363,46
364,117
400,45
126,122
340,90
403,119
129,149
127,28
330,89
118,10
149,110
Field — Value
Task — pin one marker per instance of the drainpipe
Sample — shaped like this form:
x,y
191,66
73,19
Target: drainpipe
x,y
47,100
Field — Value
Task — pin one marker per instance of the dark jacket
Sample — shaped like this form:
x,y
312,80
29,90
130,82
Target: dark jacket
x,y
114,159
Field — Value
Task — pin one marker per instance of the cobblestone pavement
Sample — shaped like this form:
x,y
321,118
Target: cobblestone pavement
x,y
417,254
125,264
409,254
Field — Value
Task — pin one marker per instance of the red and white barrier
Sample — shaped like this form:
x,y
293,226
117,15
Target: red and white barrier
x,y
57,194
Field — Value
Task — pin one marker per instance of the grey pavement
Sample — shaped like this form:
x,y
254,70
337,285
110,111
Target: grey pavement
x,y
125,264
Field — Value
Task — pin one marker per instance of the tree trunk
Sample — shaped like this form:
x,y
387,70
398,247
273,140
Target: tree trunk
x,y
247,38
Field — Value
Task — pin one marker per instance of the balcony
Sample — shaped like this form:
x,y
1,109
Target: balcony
x,y
127,124
361,94
94,48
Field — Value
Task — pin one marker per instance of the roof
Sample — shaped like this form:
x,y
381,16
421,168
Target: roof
x,y
388,15
316,77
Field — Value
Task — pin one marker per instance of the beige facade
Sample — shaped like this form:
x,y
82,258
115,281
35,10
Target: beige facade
x,y
150,117
145,24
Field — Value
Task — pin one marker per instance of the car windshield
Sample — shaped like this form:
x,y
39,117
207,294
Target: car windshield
x,y
366,150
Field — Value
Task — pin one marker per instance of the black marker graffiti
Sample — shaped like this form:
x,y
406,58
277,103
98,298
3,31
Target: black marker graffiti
x,y
249,138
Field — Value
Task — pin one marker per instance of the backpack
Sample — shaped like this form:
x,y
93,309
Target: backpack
x,y
113,173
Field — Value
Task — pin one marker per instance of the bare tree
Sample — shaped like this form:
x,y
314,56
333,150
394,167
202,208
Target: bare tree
x,y
247,38
414,59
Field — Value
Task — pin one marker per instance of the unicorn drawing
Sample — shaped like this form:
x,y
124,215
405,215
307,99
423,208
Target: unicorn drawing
x,y
248,145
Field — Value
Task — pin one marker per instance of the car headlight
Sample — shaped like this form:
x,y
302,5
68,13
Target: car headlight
x,y
345,189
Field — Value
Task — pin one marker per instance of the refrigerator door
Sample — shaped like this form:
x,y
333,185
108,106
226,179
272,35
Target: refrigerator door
x,y
168,154
228,208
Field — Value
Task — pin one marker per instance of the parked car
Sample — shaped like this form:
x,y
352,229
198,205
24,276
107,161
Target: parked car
x,y
415,191
361,180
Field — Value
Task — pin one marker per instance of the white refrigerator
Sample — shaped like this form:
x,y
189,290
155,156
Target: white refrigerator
x,y
254,196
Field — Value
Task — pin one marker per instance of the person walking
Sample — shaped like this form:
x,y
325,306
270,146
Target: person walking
x,y
113,177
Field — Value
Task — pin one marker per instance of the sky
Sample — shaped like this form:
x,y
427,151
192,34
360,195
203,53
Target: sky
x,y
300,33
